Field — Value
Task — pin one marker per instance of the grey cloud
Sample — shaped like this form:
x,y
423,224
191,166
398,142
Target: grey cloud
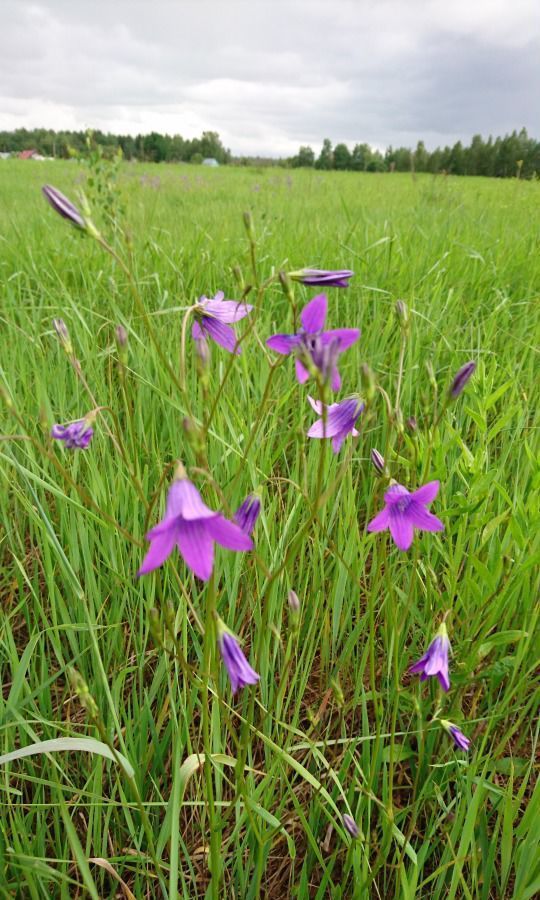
x,y
271,75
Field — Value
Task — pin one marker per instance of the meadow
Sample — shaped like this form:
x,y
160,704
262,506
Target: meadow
x,y
162,782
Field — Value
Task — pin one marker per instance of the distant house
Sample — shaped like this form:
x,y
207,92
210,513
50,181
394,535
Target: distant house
x,y
4,155
210,162
29,154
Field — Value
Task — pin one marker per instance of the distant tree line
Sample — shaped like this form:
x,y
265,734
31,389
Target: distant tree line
x,y
151,147
514,154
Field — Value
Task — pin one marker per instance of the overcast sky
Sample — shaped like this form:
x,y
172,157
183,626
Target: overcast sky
x,y
270,75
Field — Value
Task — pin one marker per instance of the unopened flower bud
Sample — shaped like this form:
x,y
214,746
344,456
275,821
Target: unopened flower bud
x,y
402,314
378,462
293,601
412,424
287,286
202,350
84,696
337,691
63,334
398,419
194,435
462,377
367,380
351,825
249,226
121,336
63,206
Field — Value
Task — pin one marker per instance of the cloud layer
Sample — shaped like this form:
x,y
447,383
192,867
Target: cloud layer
x,y
270,75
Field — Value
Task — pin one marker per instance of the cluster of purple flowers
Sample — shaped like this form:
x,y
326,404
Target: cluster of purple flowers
x,y
193,528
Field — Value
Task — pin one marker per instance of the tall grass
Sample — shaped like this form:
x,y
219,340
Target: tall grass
x,y
336,724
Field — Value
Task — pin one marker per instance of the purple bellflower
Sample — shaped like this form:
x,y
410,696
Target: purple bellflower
x,y
340,420
213,319
238,669
247,514
192,527
76,435
312,343
460,740
404,512
435,660
63,206
323,277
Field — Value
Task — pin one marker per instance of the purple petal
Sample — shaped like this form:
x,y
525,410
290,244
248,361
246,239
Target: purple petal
x,y
422,518
196,332
226,311
316,405
340,419
283,343
335,381
345,336
313,316
161,547
184,500
337,441
302,373
395,493
196,546
222,334
381,521
444,680
401,529
228,534
58,432
427,493
418,666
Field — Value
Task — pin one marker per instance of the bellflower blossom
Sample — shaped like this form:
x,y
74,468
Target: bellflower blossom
x,y
340,420
247,514
404,512
238,669
435,660
460,740
313,343
323,277
76,435
192,527
213,319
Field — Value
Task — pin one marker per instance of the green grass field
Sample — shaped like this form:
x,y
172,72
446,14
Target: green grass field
x,y
222,796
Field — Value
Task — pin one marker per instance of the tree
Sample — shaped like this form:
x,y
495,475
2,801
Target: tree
x,y
361,157
342,157
304,159
326,157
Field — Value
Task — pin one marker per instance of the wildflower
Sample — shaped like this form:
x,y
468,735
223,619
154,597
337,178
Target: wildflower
x,y
461,379
435,660
238,669
404,512
76,435
351,825
340,420
63,206
213,320
316,346
378,462
323,277
121,336
192,527
247,514
460,740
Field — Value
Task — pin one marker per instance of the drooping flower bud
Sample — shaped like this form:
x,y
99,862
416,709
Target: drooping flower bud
x,y
412,424
247,514
249,226
462,377
63,206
